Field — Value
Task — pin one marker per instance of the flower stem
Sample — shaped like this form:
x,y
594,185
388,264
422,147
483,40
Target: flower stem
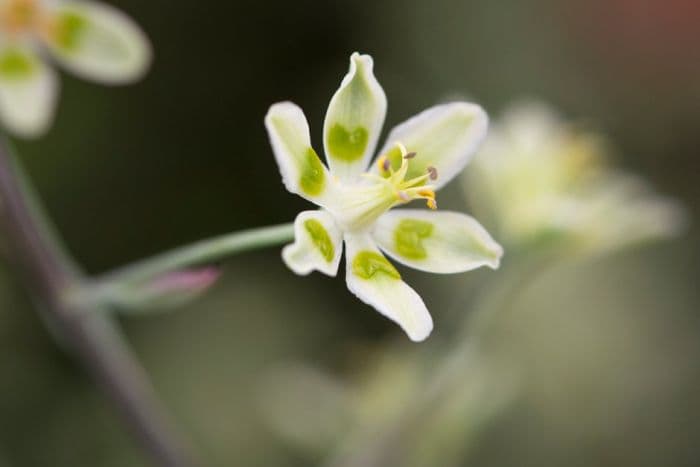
x,y
91,336
204,251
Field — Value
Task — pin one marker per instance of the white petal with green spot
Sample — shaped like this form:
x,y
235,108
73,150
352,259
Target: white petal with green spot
x,y
302,171
98,42
375,281
445,137
436,241
28,91
317,244
354,120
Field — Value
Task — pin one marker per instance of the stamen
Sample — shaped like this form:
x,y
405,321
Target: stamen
x,y
383,164
432,171
426,193
386,164
389,187
429,195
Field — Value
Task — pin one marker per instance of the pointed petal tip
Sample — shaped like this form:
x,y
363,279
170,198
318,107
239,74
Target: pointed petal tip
x,y
280,107
420,335
288,253
498,253
361,60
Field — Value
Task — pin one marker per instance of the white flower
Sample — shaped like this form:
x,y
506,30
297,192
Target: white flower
x,y
542,180
89,39
420,156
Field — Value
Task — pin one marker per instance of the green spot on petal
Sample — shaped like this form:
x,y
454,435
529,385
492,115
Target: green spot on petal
x,y
16,65
409,237
371,265
347,145
395,157
70,29
320,238
312,176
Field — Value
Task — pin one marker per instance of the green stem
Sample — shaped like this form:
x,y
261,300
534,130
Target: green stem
x,y
202,252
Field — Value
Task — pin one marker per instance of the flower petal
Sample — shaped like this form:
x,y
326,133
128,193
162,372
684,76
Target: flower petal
x,y
28,91
302,171
354,120
98,42
436,241
318,244
444,137
373,279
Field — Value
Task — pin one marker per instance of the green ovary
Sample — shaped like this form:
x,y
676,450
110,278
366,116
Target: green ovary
x,y
16,65
409,236
320,238
370,265
347,145
70,29
313,178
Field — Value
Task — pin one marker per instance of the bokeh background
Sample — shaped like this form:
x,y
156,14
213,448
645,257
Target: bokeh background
x,y
608,348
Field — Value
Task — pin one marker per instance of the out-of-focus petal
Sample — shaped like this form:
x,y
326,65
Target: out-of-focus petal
x,y
28,92
98,42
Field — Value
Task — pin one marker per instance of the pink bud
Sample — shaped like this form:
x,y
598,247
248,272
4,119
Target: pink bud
x,y
191,281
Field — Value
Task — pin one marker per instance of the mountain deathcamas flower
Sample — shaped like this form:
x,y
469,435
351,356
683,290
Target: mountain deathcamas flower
x,y
355,198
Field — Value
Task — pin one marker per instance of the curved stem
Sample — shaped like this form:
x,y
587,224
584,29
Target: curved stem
x,y
198,253
92,337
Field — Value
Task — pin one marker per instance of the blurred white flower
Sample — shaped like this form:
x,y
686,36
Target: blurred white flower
x,y
539,180
420,156
89,39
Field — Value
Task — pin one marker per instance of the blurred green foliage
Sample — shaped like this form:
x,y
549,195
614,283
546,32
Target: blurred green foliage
x,y
607,348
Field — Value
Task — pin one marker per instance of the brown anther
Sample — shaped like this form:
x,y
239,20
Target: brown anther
x,y
386,164
433,173
410,155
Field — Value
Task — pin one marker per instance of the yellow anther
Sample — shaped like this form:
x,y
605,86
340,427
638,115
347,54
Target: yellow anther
x,y
429,196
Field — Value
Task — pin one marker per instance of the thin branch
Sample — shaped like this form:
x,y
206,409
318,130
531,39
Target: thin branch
x,y
91,335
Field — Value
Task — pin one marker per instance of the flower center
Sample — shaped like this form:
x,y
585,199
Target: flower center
x,y
18,16
362,204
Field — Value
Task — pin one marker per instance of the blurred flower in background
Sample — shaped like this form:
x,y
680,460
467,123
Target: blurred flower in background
x,y
540,180
90,39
